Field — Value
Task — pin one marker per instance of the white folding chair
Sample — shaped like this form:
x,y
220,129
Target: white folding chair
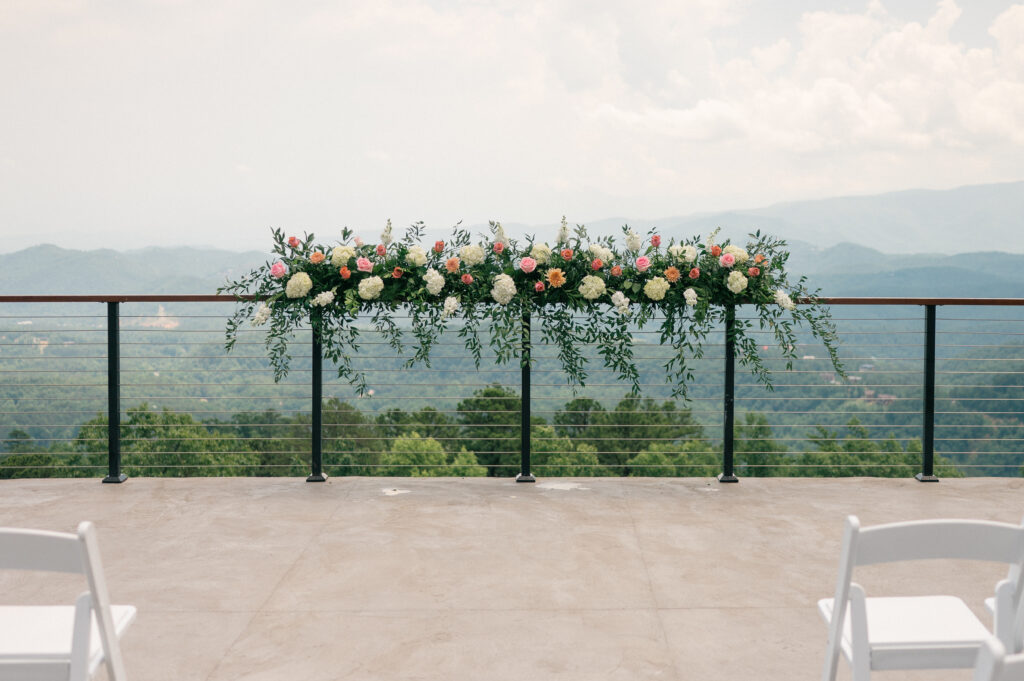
x,y
918,632
60,641
995,665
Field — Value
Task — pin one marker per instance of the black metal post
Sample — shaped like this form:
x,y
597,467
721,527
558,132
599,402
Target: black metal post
x,y
316,436
114,473
524,399
727,474
927,473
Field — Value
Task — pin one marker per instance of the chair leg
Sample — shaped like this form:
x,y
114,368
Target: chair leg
x,y
80,639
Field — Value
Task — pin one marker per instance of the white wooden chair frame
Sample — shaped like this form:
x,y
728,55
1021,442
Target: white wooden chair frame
x,y
924,632
59,641
995,665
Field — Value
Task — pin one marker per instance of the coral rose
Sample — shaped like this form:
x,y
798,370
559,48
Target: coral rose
x,y
759,258
754,271
694,273
499,247
556,277
467,278
317,257
655,240
293,241
345,272
672,274
616,271
566,254
716,251
438,246
397,273
381,250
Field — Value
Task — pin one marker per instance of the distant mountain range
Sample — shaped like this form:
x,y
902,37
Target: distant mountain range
x,y
841,270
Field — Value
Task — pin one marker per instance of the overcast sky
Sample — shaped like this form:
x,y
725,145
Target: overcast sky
x,y
206,122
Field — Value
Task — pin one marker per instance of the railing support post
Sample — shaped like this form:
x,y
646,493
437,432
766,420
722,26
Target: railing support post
x,y
927,473
316,435
114,473
524,400
729,415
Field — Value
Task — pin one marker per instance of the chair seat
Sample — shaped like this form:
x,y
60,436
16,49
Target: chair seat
x,y
40,633
917,632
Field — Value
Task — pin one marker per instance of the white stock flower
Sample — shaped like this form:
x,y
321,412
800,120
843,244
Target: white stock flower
x,y
499,235
451,306
299,285
736,282
370,288
621,303
324,299
261,316
592,287
341,255
599,251
471,255
783,300
691,297
740,254
711,237
656,288
633,241
385,237
504,288
434,281
563,232
416,256
541,253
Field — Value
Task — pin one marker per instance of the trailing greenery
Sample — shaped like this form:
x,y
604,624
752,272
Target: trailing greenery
x,y
582,292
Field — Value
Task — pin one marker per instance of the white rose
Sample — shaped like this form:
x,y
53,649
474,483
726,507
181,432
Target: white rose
x,y
451,306
633,241
471,255
656,288
370,288
736,282
504,289
740,254
298,286
416,256
691,297
592,287
541,253
341,255
434,280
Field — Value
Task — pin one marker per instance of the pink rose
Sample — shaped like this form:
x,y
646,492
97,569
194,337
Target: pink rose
x,y
527,265
539,287
642,263
364,265
278,270
727,260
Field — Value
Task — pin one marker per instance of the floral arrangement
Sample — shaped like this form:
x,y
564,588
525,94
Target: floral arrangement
x,y
582,291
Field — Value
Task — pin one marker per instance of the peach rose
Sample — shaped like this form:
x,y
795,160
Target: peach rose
x,y
317,257
452,265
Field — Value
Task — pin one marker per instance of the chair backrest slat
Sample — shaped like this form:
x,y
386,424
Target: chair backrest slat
x,y
951,539
35,550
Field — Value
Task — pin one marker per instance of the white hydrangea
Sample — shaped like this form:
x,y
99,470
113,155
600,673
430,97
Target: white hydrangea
x,y
563,232
683,253
656,288
370,288
261,316
416,256
434,281
385,237
298,286
736,282
592,287
471,255
541,253
499,235
691,297
783,300
621,303
740,254
341,255
599,251
451,306
633,241
323,299
504,288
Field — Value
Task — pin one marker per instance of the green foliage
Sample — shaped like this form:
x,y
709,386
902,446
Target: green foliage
x,y
417,456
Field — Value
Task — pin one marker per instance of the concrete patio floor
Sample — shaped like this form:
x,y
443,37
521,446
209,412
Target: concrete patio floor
x,y
484,579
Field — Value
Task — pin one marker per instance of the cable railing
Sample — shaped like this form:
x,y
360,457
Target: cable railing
x,y
934,389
